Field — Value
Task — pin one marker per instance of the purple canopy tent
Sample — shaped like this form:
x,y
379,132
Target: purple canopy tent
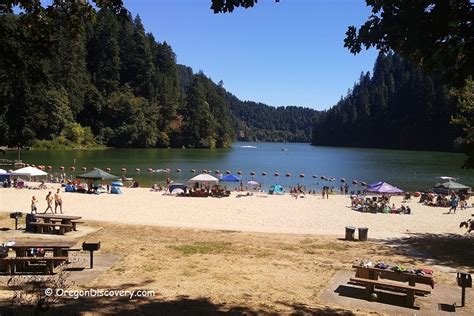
x,y
383,188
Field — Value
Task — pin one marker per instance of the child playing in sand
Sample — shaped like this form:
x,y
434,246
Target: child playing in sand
x,y
33,205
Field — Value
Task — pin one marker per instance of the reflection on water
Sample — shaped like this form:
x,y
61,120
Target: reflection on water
x,y
409,170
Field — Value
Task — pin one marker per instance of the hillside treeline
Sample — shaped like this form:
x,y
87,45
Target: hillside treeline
x,y
397,107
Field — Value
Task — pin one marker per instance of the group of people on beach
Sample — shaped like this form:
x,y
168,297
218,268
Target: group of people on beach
x,y
58,202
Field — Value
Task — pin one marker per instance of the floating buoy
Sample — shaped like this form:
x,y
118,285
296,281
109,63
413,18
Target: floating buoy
x,y
276,174
252,173
178,170
123,169
264,173
301,175
84,168
288,174
227,172
73,168
137,169
239,172
150,169
108,169
61,168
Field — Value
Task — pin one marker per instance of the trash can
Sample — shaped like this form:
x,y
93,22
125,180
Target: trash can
x,y
350,231
363,232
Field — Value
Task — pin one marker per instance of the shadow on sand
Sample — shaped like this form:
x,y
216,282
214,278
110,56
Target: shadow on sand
x,y
450,250
181,306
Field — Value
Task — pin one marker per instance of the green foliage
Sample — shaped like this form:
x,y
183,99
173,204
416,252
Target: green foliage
x,y
434,34
465,118
398,107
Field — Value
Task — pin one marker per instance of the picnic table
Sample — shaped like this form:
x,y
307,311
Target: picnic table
x,y
55,253
65,223
372,277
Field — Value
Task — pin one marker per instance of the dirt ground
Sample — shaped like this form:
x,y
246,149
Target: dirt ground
x,y
199,271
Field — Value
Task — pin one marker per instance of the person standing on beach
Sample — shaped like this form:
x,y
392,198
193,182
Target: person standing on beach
x,y
58,202
34,209
454,204
49,200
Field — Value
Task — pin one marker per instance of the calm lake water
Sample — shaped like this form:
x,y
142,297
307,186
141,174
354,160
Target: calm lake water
x,y
409,170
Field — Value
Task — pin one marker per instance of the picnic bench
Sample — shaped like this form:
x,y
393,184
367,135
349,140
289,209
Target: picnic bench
x,y
395,281
59,223
25,260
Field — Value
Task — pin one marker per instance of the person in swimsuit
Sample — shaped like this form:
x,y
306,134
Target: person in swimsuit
x,y
33,205
49,200
58,202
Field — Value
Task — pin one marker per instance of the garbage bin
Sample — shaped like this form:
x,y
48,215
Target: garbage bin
x,y
350,231
363,232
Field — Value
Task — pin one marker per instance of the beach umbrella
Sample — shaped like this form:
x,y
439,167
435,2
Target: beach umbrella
x,y
150,169
288,174
33,165
50,167
276,174
301,175
204,171
227,172
363,183
84,169
137,169
108,169
29,171
193,170
323,178
178,170
252,173
97,174
73,168
239,172
252,182
354,182
217,171
123,169
95,168
314,176
343,180
61,168
230,178
264,173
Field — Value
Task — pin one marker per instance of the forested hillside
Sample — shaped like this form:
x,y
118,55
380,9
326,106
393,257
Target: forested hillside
x,y
397,107
254,121
83,84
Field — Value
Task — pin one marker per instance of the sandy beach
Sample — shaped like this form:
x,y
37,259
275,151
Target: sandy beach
x,y
258,213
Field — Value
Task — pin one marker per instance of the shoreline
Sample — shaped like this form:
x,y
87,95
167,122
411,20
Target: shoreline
x,y
260,213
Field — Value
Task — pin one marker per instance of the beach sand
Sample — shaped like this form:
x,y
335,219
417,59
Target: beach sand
x,y
258,213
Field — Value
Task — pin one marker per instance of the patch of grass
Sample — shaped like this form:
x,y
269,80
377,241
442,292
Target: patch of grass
x,y
333,246
203,247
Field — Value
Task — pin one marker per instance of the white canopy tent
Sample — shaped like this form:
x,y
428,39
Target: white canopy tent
x,y
29,171
2,171
204,178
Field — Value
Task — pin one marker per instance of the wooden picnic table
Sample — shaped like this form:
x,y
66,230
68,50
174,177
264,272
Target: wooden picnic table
x,y
24,261
376,273
371,278
21,247
66,222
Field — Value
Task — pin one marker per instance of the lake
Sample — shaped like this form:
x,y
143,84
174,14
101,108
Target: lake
x,y
409,170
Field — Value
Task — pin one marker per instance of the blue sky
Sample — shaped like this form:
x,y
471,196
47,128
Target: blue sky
x,y
286,53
